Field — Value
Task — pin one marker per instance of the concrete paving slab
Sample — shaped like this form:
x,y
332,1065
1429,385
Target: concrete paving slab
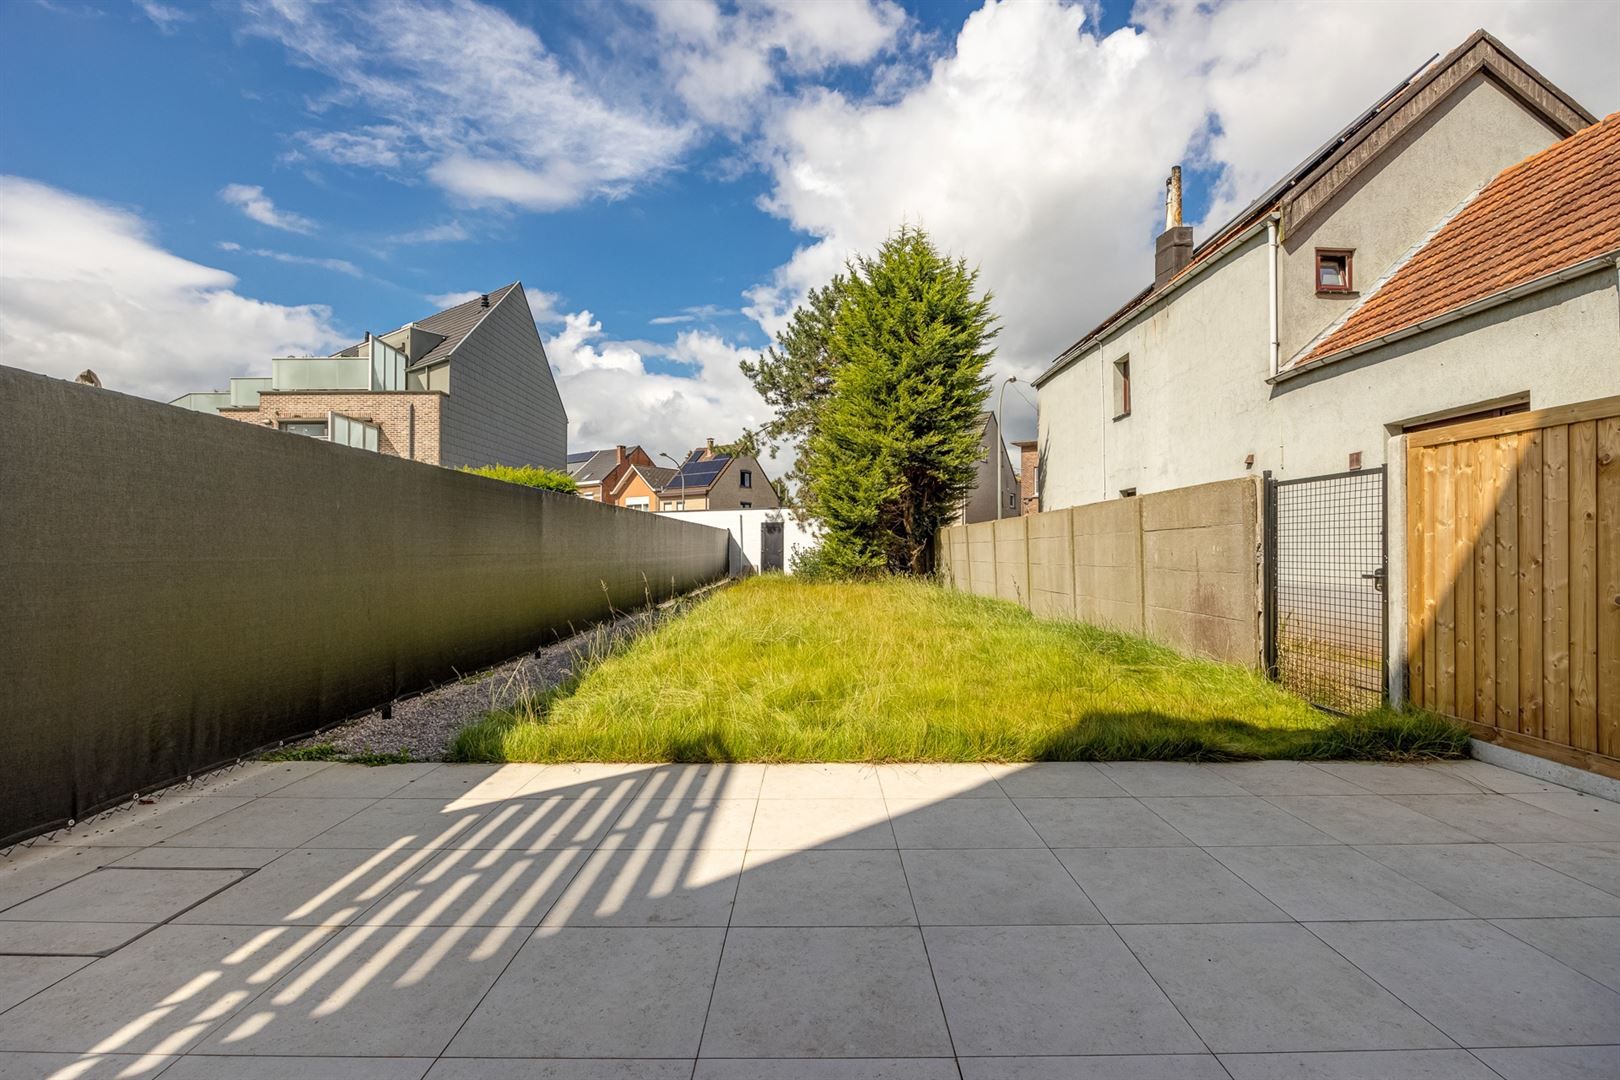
x,y
590,780
124,895
1168,779
358,781
1587,809
841,1069
270,821
160,994
27,872
559,1069
1274,987
472,785
142,825
833,781
1230,822
960,823
286,1067
309,887
1478,984
407,823
1284,778
938,782
164,857
1073,823
825,992
373,991
1590,946
1503,819
67,938
1051,990
1359,1065
1554,1062
995,888
704,783
1325,883
680,823
1055,779
1493,882
801,824
1369,819
469,887
598,992
823,888
1165,885
1106,1067
1595,864
22,1066
1382,779
253,778
1487,777
642,887
21,977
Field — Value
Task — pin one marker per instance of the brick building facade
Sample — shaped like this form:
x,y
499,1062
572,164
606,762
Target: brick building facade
x,y
408,420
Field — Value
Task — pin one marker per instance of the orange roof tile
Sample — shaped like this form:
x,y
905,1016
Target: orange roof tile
x,y
1549,212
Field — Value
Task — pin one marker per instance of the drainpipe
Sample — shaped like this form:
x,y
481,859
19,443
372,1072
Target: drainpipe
x,y
1271,264
410,431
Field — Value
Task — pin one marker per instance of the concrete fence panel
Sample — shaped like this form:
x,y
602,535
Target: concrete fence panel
x,y
1181,567
179,589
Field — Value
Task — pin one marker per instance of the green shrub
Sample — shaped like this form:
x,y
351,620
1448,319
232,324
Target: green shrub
x,y
527,475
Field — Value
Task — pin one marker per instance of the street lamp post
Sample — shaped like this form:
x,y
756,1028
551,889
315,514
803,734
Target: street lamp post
x,y
677,465
1001,439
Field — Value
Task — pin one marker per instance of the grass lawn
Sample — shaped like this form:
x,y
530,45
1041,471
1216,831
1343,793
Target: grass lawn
x,y
776,669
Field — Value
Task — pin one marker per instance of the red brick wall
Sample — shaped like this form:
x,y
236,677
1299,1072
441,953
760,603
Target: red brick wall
x,y
1029,500
391,412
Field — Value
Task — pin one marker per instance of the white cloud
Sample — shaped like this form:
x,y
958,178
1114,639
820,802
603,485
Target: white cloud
x,y
612,396
83,284
1037,148
692,314
451,299
253,202
475,95
341,266
166,17
543,306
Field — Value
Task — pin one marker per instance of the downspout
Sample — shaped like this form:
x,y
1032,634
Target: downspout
x,y
1271,266
410,431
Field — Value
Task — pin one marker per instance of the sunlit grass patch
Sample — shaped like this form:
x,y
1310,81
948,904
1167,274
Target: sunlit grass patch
x,y
775,669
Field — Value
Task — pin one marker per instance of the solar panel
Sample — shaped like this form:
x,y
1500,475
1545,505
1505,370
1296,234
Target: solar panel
x,y
699,473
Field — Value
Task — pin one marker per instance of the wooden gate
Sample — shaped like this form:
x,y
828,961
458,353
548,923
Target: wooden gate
x,y
1513,579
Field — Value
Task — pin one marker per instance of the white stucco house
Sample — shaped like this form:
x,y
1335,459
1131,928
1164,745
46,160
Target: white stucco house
x,y
1434,261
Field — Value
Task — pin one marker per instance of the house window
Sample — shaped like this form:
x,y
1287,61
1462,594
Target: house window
x,y
315,429
1122,387
1333,270
1127,493
638,502
746,505
746,478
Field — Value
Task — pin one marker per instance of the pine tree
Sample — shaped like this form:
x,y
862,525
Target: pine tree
x,y
898,440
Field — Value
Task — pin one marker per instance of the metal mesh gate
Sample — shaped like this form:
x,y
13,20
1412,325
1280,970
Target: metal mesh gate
x,y
1325,587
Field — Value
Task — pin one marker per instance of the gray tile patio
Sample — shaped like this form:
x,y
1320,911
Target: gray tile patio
x,y
1138,920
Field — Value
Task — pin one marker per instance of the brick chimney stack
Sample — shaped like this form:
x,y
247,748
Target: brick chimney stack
x,y
1173,250
619,454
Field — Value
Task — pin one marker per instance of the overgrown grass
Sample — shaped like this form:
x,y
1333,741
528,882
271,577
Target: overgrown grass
x,y
775,669
331,752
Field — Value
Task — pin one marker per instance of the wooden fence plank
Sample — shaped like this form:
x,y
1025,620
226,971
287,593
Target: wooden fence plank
x,y
1608,587
1583,586
1529,553
1462,574
1555,585
1484,498
1445,580
1419,465
1507,584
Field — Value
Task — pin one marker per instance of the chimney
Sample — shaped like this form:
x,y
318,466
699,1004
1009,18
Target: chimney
x,y
1173,250
619,451
483,301
710,451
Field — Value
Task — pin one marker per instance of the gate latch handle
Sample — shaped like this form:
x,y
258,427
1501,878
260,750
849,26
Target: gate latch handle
x,y
1377,578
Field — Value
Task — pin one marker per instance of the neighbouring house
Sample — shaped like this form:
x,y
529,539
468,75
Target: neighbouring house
x,y
762,541
638,488
710,481
598,472
470,385
1448,255
1029,461
980,503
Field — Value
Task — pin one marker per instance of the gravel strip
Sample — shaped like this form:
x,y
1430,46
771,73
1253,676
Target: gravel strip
x,y
424,726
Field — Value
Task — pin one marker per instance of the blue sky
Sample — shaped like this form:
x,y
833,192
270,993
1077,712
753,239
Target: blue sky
x,y
666,179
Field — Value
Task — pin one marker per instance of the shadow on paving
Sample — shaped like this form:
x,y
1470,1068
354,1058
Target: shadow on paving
x,y
909,922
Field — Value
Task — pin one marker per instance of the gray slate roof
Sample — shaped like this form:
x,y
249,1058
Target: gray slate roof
x,y
454,323
594,467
